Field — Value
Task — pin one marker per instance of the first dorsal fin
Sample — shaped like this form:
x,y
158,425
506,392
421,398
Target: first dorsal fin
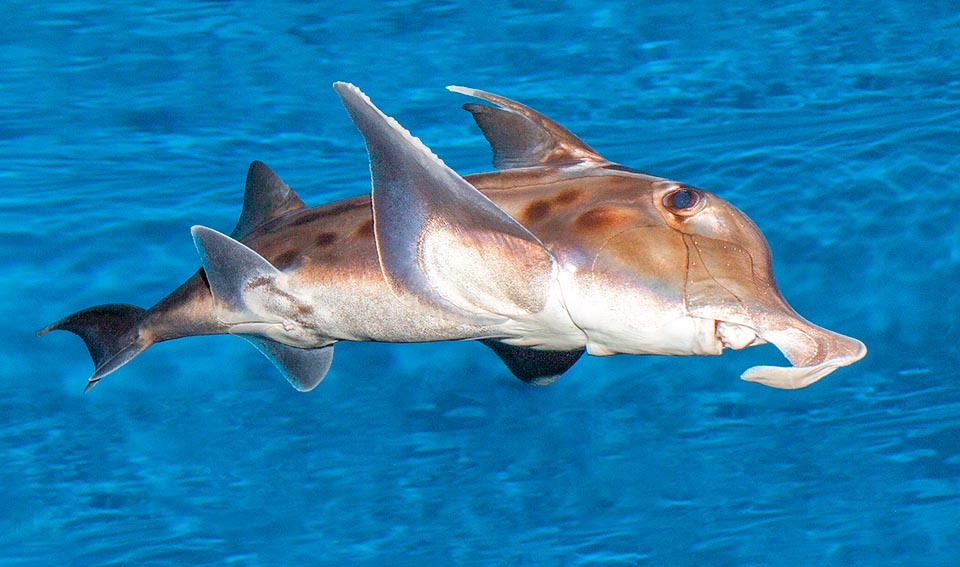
x,y
522,137
441,243
265,197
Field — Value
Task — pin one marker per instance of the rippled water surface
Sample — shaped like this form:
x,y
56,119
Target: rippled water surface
x,y
834,126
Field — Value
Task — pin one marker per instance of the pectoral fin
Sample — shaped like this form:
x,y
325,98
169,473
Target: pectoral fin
x,y
521,136
441,243
537,367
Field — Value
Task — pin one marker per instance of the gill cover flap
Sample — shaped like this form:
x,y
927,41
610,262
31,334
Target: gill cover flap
x,y
266,197
521,136
441,243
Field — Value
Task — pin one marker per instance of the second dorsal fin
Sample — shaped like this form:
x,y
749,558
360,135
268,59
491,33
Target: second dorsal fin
x,y
265,198
522,137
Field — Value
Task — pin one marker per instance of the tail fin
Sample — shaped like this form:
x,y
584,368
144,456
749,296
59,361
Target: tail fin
x,y
111,332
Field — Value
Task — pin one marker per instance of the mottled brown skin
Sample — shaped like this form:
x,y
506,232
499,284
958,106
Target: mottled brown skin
x,y
327,242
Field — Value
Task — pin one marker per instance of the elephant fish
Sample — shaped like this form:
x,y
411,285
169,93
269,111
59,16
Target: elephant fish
x,y
556,253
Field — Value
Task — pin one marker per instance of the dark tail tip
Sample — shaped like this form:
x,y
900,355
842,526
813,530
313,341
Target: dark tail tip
x,y
111,333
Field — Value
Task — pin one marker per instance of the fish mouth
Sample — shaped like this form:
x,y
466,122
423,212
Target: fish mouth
x,y
735,336
813,351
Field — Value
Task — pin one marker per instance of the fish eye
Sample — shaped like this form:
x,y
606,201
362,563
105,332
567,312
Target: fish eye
x,y
684,201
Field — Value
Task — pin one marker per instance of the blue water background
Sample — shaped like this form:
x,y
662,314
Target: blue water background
x,y
834,125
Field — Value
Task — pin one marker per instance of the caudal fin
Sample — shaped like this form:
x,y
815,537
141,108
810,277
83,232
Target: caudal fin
x,y
111,333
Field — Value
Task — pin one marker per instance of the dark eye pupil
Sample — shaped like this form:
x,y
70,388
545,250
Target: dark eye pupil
x,y
681,199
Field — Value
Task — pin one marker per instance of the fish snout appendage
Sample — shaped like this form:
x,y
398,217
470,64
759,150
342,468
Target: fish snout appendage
x,y
813,351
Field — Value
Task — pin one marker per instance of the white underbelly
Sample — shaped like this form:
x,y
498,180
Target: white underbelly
x,y
358,311
620,319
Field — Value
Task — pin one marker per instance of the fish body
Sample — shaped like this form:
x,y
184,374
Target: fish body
x,y
558,253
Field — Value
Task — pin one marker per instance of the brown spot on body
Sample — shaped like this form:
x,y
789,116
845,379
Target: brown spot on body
x,y
535,210
339,207
301,220
308,216
326,238
304,309
284,260
365,230
259,281
568,196
601,218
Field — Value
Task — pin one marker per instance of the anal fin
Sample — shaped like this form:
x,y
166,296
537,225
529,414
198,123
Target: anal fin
x,y
537,367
